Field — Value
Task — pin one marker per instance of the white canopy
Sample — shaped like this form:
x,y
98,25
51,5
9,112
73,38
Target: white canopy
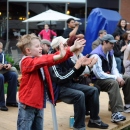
x,y
50,15
50,1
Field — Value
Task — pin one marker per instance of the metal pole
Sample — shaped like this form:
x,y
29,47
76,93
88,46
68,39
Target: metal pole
x,y
85,17
119,7
27,5
7,34
66,8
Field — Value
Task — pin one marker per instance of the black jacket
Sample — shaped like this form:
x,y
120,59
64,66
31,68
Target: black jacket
x,y
65,72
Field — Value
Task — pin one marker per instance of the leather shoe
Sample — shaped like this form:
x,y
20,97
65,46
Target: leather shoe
x,y
12,104
3,108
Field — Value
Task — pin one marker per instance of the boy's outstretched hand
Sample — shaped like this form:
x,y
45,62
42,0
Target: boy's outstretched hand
x,y
62,52
78,43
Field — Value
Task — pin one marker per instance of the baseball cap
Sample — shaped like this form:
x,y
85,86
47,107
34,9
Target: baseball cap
x,y
108,37
44,41
56,41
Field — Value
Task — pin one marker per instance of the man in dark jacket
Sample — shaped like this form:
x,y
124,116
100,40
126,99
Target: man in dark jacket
x,y
65,77
7,74
73,29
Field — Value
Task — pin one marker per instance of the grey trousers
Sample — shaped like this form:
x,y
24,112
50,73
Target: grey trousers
x,y
111,86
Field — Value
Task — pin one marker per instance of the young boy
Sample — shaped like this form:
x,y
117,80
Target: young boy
x,y
35,76
7,74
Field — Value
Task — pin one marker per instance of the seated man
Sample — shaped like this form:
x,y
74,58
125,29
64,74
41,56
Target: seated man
x,y
106,75
7,74
98,41
63,76
45,44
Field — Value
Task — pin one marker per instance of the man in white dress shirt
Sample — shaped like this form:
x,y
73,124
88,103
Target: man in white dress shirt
x,y
106,75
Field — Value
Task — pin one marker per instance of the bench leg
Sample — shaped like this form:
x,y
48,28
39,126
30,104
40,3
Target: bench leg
x,y
53,110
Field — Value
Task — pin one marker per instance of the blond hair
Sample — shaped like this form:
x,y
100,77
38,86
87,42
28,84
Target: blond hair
x,y
1,44
25,41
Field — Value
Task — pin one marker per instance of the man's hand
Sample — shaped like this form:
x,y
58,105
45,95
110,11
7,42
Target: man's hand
x,y
86,61
77,23
123,48
120,81
78,43
78,63
1,66
7,66
93,62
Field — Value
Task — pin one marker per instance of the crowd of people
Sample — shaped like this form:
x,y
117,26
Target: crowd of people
x,y
54,67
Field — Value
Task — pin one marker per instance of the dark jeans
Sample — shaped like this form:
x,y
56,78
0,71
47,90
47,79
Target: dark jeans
x,y
11,78
78,94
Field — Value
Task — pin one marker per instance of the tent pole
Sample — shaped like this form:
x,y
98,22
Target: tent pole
x,y
85,17
27,5
7,34
66,8
119,7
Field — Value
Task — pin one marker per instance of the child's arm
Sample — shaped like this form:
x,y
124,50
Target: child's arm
x,y
61,54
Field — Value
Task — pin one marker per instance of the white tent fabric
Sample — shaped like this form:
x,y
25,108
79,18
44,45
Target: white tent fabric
x,y
50,15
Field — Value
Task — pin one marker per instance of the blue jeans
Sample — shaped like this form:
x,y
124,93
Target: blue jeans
x,y
11,78
29,118
118,62
78,95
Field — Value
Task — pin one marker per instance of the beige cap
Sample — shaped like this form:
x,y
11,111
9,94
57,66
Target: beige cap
x,y
44,41
56,41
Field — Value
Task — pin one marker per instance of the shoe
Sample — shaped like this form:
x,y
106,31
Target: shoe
x,y
97,124
3,108
12,104
87,113
116,117
127,110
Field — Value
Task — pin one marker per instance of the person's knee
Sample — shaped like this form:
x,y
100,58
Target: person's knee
x,y
80,95
114,85
95,90
1,77
13,74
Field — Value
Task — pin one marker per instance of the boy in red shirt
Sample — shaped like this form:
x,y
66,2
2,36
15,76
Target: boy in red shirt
x,y
35,73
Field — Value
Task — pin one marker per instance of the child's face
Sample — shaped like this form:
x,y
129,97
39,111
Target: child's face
x,y
35,50
1,48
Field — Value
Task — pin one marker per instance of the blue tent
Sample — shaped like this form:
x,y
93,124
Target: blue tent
x,y
99,19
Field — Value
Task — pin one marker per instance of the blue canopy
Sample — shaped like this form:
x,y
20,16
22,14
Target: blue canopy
x,y
99,19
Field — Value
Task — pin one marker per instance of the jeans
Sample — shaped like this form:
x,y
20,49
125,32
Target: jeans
x,y
119,64
78,94
29,118
11,78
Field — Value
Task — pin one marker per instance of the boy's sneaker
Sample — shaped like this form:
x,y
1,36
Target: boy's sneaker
x,y
116,117
127,110
97,124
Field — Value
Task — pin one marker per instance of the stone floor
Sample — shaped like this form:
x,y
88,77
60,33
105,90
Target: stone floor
x,y
64,111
